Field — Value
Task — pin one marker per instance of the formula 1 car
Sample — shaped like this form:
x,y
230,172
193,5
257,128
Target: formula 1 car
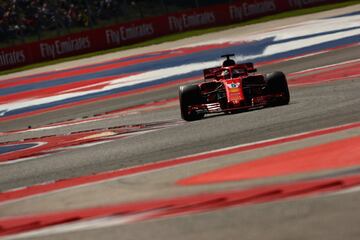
x,y
231,88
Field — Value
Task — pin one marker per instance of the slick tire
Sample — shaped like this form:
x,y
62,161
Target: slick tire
x,y
190,95
277,84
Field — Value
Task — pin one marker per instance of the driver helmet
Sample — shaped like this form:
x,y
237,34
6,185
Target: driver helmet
x,y
225,73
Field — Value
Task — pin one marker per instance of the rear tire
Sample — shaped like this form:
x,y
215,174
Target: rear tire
x,y
277,84
190,95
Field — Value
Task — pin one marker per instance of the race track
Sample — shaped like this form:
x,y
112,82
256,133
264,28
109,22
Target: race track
x,y
145,128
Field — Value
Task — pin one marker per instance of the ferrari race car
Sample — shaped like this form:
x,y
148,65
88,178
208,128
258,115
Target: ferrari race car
x,y
232,88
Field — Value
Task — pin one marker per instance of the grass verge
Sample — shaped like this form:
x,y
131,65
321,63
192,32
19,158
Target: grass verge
x,y
178,36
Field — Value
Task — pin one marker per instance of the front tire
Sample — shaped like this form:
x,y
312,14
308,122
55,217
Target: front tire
x,y
190,95
277,85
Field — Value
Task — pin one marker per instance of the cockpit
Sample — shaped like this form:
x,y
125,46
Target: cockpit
x,y
229,73
229,69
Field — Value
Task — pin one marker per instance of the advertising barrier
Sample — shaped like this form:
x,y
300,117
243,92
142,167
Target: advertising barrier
x,y
145,29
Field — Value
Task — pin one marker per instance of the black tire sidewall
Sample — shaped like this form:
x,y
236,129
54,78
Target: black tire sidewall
x,y
277,84
189,95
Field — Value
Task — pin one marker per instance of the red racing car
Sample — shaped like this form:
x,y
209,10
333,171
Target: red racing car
x,y
232,88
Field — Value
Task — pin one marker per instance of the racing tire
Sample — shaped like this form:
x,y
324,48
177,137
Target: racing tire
x,y
277,84
190,95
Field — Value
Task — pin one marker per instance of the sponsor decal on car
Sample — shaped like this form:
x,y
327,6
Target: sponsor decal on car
x,y
233,87
234,90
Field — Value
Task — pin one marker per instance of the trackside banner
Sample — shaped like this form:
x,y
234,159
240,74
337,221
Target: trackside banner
x,y
144,29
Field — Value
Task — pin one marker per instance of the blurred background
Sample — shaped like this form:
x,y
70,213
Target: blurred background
x,y
23,21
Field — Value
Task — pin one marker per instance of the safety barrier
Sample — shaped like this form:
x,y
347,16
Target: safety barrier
x,y
145,29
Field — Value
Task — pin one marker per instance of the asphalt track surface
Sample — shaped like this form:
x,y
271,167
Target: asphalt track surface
x,y
312,107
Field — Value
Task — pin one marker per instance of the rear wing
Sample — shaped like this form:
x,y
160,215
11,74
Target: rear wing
x,y
210,73
248,67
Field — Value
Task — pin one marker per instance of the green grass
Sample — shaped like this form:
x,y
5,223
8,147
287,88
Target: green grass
x,y
178,36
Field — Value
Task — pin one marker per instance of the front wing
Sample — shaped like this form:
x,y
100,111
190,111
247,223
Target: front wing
x,y
255,103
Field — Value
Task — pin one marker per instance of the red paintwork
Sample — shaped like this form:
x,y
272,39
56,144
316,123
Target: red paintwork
x,y
347,71
72,182
102,98
179,205
335,155
234,94
52,143
232,84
